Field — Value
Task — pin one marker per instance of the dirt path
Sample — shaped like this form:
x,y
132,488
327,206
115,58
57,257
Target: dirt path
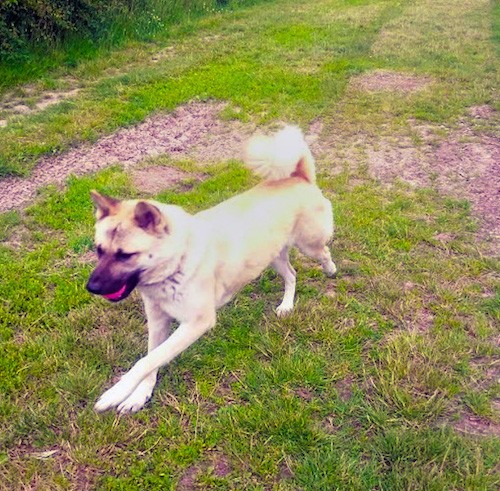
x,y
464,165
192,131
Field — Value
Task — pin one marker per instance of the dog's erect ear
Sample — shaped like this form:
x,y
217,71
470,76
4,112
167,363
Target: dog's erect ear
x,y
148,217
105,205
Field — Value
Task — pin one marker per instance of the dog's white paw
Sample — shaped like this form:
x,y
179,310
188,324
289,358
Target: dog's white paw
x,y
284,309
135,401
330,269
114,396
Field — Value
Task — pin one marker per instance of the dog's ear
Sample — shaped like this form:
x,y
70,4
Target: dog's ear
x,y
105,205
148,217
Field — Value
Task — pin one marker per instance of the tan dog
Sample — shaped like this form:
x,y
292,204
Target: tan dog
x,y
187,266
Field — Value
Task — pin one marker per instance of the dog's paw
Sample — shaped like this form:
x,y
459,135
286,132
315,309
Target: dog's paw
x,y
330,269
284,310
114,396
135,401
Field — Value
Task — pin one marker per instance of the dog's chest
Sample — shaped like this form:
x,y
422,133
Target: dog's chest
x,y
170,290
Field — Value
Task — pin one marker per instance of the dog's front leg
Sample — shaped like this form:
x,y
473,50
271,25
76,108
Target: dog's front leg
x,y
158,330
185,335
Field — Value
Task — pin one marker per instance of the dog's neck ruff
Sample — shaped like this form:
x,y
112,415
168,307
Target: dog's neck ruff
x,y
175,277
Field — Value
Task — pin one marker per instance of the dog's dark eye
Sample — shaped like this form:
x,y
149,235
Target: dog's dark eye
x,y
100,251
123,256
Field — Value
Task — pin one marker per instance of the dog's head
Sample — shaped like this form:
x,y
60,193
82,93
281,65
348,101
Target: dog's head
x,y
131,237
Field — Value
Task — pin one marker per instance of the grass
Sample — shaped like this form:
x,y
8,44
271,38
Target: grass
x,y
138,22
362,387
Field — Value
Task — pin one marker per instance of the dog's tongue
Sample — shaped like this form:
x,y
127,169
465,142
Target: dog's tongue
x,y
116,295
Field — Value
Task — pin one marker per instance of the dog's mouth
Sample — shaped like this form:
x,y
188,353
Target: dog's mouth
x,y
124,291
114,293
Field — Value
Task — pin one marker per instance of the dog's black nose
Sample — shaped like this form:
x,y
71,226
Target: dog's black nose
x,y
94,286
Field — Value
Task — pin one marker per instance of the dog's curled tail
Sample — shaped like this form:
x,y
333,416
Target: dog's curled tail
x,y
284,154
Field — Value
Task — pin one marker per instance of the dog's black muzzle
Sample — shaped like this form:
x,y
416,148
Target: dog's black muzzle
x,y
113,290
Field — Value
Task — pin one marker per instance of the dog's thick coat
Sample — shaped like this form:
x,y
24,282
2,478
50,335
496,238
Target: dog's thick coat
x,y
187,266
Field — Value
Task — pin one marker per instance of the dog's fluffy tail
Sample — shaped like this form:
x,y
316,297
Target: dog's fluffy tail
x,y
284,154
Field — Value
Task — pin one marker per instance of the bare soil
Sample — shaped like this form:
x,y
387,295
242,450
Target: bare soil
x,y
193,131
384,80
59,458
464,164
154,179
475,425
12,105
345,388
216,463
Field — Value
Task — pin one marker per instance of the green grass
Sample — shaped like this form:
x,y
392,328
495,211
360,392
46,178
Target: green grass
x,y
146,21
361,388
271,68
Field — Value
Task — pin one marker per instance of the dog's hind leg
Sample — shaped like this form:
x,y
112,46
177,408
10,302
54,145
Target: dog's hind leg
x,y
283,267
322,254
158,331
185,335
315,232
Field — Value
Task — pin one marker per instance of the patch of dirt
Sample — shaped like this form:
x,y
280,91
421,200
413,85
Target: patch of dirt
x,y
409,318
329,425
421,321
464,170
221,465
192,131
187,482
162,54
313,137
224,388
475,425
472,169
495,404
59,458
391,158
482,112
154,179
384,80
215,463
88,257
304,393
12,106
51,98
344,388
464,164
285,472
444,237
223,141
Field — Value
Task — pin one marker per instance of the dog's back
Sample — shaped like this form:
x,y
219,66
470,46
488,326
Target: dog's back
x,y
250,230
287,191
